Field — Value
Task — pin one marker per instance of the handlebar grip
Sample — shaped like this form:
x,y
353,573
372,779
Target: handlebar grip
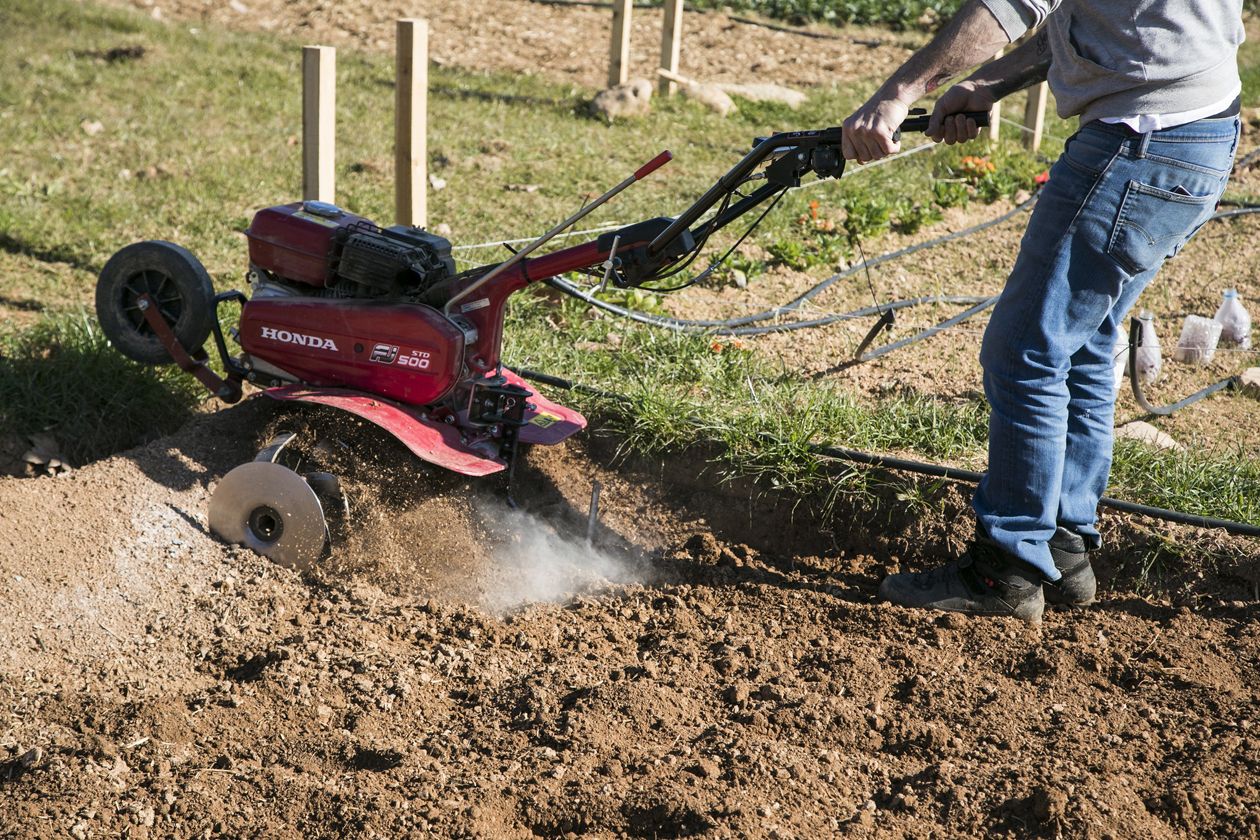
x,y
919,121
653,165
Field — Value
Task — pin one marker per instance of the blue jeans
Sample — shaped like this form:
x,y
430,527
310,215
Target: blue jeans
x,y
1116,206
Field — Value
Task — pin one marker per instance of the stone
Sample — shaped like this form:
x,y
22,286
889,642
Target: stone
x,y
633,99
711,97
1144,432
766,92
1249,382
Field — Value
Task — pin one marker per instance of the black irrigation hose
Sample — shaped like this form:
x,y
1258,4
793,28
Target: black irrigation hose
x,y
938,470
680,325
930,331
736,326
1135,344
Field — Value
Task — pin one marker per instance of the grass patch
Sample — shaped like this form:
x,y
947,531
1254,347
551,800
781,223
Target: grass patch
x,y
61,377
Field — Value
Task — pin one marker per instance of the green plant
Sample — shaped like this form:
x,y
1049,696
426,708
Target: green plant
x,y
739,271
909,216
790,252
950,193
896,14
865,215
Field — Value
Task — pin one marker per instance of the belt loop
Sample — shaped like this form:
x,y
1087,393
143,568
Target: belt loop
x,y
1142,144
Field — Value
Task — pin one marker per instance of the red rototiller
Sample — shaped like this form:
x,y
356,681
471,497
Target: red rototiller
x,y
377,322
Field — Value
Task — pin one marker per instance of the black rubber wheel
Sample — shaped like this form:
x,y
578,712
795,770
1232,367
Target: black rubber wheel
x,y
175,279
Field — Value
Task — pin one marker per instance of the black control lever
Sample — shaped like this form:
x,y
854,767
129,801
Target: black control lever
x,y
918,121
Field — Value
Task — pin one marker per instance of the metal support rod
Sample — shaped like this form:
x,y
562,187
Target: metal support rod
x,y
1135,342
592,519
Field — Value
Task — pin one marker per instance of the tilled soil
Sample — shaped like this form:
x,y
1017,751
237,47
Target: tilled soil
x,y
739,680
714,664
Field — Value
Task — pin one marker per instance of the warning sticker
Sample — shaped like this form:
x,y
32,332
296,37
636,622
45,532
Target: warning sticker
x,y
543,420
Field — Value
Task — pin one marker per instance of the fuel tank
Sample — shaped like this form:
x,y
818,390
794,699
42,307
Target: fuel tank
x,y
295,241
406,352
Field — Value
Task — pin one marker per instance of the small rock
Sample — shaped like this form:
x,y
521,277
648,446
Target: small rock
x,y
766,92
705,768
1049,805
711,97
736,695
443,229
31,758
633,99
92,127
1144,432
770,692
1249,382
437,183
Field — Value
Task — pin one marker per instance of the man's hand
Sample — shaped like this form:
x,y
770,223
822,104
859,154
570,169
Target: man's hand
x,y
947,123
868,132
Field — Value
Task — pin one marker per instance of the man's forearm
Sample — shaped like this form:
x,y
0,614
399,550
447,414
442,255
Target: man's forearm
x,y
970,37
1023,67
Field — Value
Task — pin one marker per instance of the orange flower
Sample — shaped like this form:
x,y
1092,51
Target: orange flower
x,y
717,346
1042,178
813,210
976,167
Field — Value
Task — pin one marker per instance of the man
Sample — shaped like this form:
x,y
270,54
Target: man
x,y
1155,84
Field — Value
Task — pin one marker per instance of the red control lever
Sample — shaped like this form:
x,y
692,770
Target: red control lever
x,y
653,165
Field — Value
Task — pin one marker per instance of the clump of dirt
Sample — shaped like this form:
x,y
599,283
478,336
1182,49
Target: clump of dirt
x,y
161,684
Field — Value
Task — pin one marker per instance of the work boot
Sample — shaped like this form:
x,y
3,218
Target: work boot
x,y
984,581
1077,587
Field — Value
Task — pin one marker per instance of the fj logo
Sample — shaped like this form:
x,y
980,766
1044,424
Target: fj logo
x,y
300,339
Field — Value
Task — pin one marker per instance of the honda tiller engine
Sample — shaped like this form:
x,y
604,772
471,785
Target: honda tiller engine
x,y
376,321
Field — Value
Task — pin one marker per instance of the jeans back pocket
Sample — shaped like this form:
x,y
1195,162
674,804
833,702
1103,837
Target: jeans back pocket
x,y
1154,223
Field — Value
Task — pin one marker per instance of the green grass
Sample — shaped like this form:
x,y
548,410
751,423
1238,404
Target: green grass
x,y
210,119
895,14
61,377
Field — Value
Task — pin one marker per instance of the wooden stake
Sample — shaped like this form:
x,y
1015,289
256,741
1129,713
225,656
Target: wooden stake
x,y
411,123
319,123
990,134
619,55
1035,115
671,44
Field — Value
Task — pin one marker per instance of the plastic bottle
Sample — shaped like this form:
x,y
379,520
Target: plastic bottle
x,y
1199,337
1234,320
1149,357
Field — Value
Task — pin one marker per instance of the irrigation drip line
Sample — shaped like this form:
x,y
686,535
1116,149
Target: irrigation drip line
x,y
739,326
930,331
933,470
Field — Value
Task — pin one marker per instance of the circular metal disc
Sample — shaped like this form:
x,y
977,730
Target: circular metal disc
x,y
271,509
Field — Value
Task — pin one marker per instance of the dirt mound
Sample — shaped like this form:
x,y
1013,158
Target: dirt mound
x,y
739,680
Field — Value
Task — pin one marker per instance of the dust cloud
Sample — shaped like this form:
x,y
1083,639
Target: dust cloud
x,y
536,563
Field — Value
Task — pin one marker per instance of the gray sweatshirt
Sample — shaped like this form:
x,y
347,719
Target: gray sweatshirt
x,y
1118,58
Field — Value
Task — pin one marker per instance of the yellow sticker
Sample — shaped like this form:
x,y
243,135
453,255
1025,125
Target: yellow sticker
x,y
544,420
311,217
